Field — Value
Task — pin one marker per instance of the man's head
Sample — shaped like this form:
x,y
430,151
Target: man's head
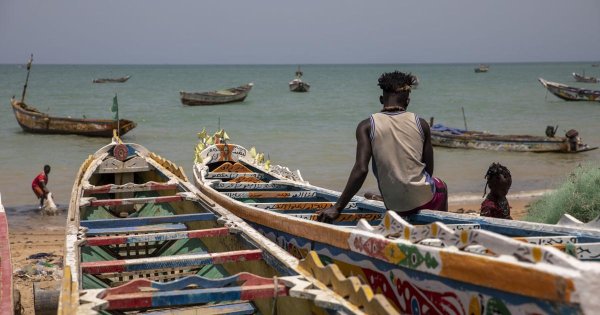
x,y
396,88
47,169
498,179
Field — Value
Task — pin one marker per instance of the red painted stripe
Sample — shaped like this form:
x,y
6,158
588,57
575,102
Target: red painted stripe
x,y
263,291
110,188
6,302
122,239
118,202
98,267
241,255
130,301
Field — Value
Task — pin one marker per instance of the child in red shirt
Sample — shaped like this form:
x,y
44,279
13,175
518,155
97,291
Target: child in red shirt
x,y
495,204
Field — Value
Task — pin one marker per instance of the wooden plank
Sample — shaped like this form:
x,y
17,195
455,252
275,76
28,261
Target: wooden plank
x,y
133,222
156,237
343,218
131,201
247,186
548,240
230,175
271,194
290,206
129,187
242,308
114,166
178,261
138,229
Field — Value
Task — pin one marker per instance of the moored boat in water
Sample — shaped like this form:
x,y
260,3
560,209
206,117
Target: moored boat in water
x,y
140,239
457,138
6,270
482,68
582,78
570,93
453,268
237,94
297,85
112,80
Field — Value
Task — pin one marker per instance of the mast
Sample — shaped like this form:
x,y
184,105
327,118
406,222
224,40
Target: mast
x,y
26,79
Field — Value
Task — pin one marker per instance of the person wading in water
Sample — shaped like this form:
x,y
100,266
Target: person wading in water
x,y
39,183
400,144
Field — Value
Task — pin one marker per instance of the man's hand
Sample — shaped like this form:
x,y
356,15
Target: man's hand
x,y
327,215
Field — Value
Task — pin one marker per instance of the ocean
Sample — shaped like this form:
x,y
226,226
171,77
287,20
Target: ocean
x,y
313,132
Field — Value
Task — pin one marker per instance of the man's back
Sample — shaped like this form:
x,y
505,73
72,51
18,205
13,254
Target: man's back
x,y
397,145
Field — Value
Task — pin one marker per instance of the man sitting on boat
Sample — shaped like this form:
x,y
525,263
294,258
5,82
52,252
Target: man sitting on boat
x,y
38,185
400,144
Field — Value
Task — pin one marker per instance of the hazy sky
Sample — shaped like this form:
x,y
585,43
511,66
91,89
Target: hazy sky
x,y
306,31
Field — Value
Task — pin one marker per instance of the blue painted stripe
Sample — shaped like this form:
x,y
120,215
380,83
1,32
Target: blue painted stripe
x,y
243,308
195,296
201,282
146,228
140,221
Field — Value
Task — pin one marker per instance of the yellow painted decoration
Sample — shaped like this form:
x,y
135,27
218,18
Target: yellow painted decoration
x,y
202,134
464,237
537,254
474,306
253,152
386,222
406,233
268,165
393,253
434,229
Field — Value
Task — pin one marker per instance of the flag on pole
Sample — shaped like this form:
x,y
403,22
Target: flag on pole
x,y
115,107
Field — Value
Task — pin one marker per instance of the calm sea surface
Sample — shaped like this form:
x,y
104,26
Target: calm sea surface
x,y
313,132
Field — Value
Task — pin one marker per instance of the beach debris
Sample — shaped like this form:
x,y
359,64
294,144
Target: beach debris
x,y
40,255
43,267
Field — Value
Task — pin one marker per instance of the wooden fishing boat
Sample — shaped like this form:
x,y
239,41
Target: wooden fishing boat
x,y
482,68
432,268
237,94
141,239
456,138
112,80
6,271
582,78
569,93
34,121
297,85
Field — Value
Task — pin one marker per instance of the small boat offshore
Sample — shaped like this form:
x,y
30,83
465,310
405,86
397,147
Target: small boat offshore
x,y
570,93
112,80
237,94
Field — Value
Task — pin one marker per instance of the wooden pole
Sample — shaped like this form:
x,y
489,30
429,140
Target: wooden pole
x,y
26,79
464,117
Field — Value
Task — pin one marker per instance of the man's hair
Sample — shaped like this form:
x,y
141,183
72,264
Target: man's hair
x,y
46,168
394,82
494,172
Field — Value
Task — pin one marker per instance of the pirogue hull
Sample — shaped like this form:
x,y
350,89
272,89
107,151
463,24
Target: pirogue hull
x,y
232,95
112,80
141,239
569,93
6,271
517,143
34,121
584,79
417,267
299,86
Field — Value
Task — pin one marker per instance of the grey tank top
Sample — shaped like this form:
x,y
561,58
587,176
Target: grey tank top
x,y
397,146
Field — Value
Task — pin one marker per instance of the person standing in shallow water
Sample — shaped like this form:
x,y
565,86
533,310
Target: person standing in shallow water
x,y
400,144
495,204
39,185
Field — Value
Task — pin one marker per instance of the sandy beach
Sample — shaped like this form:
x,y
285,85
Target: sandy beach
x,y
34,234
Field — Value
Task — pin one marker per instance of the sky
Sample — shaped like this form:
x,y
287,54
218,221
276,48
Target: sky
x,y
294,32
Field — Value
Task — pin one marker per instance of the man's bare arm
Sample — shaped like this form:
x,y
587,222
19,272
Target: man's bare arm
x,y
427,147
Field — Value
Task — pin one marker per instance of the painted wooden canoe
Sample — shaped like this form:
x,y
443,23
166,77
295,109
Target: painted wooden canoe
x,y
482,69
582,78
297,85
570,93
141,239
231,95
422,269
6,271
112,80
34,121
456,138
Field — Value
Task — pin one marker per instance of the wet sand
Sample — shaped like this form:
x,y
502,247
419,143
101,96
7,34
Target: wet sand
x,y
32,233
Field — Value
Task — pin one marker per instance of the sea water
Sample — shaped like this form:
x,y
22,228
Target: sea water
x,y
313,132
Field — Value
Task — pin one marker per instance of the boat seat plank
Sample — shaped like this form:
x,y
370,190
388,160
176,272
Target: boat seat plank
x,y
247,186
231,175
167,262
271,194
241,308
140,221
138,229
129,187
156,237
133,165
344,218
130,201
290,206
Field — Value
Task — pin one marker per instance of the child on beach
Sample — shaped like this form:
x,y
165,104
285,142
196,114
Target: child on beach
x,y
495,204
38,185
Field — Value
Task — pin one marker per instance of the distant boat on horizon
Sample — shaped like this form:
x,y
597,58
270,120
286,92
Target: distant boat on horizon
x,y
482,68
297,85
582,78
236,94
112,80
